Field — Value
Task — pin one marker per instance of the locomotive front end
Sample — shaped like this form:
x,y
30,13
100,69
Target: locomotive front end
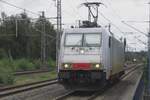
x,y
80,60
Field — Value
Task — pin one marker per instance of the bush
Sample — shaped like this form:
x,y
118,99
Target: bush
x,y
51,63
8,68
6,72
37,64
23,65
3,54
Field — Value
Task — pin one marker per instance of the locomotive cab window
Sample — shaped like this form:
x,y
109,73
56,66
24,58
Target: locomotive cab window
x,y
83,39
92,39
73,39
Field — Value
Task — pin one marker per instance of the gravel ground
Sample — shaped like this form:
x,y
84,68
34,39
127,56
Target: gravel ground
x,y
124,90
45,93
79,95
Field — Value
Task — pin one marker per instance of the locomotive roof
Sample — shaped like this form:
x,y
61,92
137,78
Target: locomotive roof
x,y
86,30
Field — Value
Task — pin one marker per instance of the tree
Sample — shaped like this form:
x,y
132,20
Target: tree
x,y
27,42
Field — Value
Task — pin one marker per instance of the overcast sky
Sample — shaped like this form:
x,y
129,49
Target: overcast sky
x,y
114,10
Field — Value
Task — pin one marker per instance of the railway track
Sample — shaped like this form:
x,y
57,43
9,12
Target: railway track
x,y
7,91
64,95
26,87
130,71
42,71
93,95
30,72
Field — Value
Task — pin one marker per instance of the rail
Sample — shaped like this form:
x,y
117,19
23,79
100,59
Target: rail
x,y
30,72
95,94
6,91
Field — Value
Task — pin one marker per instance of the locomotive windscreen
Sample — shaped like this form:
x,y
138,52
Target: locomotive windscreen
x,y
86,40
73,40
92,39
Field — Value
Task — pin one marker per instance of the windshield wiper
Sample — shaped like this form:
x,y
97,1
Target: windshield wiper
x,y
86,44
77,44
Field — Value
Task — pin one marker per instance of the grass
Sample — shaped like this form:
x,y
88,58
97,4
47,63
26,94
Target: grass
x,y
24,79
8,68
6,72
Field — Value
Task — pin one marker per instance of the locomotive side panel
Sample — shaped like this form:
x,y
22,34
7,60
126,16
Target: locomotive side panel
x,y
117,56
106,61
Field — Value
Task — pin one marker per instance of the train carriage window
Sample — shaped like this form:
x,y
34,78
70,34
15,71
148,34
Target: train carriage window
x,y
73,39
92,39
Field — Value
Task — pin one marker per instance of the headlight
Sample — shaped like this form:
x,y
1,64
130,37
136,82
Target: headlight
x,y
82,51
66,65
97,65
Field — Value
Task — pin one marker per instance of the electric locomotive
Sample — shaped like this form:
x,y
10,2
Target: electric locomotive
x,y
89,57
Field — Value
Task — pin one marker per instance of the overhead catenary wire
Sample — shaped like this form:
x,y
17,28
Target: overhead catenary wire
x,y
135,28
10,4
119,15
21,19
138,32
113,10
128,21
31,35
114,24
139,41
118,18
109,21
134,21
142,41
77,13
53,17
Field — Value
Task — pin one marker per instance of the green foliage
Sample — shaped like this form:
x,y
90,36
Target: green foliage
x,y
3,54
6,72
37,63
24,79
24,65
27,44
16,50
8,68
51,63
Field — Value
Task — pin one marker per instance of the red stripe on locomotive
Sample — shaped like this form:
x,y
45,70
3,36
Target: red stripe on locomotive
x,y
81,66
